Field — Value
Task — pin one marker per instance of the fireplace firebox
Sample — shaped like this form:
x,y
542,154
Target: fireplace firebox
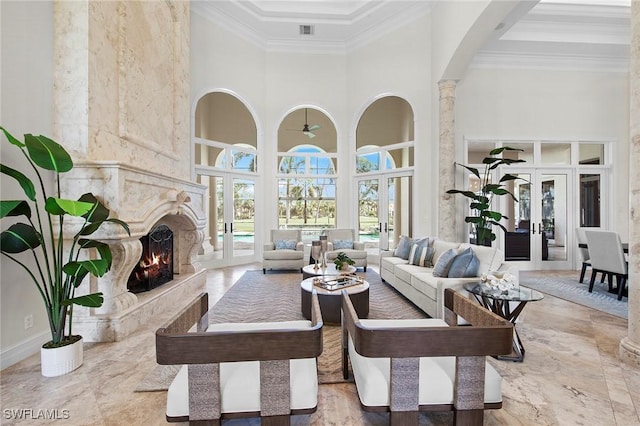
x,y
156,263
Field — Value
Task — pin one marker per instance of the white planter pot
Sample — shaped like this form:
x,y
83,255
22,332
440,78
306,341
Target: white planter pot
x,y
58,361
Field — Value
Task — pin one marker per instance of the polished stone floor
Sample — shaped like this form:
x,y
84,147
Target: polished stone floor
x,y
571,375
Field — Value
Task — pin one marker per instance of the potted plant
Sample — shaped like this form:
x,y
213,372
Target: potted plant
x,y
484,218
59,267
342,261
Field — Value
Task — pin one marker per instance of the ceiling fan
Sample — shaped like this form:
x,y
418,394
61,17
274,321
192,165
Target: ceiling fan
x,y
306,129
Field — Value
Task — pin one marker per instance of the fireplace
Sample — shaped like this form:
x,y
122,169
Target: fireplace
x,y
151,204
156,263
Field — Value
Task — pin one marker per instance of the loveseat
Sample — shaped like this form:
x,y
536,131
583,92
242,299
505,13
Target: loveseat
x,y
418,283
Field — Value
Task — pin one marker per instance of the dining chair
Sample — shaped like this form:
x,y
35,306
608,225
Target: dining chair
x,y
607,256
583,252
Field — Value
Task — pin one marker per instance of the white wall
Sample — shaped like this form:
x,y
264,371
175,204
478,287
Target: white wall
x,y
25,107
550,105
399,64
341,85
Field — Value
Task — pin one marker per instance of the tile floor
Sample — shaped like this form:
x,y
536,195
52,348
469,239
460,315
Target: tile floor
x,y
570,376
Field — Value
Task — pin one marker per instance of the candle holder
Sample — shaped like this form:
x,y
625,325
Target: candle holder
x,y
323,251
315,253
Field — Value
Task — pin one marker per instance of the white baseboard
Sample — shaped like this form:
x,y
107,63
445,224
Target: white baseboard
x,y
23,350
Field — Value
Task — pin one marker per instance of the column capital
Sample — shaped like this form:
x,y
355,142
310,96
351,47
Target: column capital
x,y
447,85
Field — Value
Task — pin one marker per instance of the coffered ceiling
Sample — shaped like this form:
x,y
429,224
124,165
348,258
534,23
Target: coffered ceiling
x,y
578,34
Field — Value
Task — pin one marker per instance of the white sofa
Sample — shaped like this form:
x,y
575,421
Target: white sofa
x,y
418,284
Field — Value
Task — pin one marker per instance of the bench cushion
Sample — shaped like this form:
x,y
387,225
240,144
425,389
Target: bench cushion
x,y
240,381
372,375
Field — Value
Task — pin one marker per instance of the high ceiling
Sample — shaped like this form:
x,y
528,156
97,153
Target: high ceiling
x,y
582,34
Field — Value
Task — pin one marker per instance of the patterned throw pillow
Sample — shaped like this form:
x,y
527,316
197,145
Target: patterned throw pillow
x,y
286,244
444,263
342,244
404,246
465,265
421,255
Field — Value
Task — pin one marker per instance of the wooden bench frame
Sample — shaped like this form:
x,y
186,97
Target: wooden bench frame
x,y
487,334
203,351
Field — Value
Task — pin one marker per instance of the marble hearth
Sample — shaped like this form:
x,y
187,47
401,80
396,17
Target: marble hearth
x,y
144,200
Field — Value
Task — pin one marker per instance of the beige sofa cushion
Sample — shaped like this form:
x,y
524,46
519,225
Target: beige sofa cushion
x,y
440,247
490,257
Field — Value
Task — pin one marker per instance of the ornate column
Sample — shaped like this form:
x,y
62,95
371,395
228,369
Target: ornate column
x,y
446,155
630,345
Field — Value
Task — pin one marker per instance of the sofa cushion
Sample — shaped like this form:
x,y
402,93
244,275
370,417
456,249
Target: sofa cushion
x,y
490,258
283,255
464,265
342,244
389,263
441,268
404,246
421,255
405,271
286,244
425,283
441,246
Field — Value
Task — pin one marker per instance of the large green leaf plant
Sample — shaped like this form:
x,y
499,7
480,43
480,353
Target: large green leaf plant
x,y
55,276
484,217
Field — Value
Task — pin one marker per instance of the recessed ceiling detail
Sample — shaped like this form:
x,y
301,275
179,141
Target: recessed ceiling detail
x,y
579,34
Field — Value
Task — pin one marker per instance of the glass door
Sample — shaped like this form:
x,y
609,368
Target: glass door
x,y
384,210
230,236
538,232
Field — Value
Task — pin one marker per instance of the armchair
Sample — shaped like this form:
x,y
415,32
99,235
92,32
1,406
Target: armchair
x,y
344,240
412,365
284,251
234,370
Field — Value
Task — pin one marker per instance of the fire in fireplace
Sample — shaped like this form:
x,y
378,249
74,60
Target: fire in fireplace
x,y
156,263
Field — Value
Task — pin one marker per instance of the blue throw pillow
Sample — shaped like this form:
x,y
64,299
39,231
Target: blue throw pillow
x,y
286,244
342,244
465,265
404,246
421,255
444,263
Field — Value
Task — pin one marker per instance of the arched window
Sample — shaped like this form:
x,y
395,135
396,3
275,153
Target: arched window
x,y
307,172
306,190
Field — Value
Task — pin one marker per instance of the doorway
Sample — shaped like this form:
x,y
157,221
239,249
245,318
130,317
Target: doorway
x,y
384,210
538,232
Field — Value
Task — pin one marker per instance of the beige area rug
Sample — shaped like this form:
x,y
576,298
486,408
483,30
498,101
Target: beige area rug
x,y
257,297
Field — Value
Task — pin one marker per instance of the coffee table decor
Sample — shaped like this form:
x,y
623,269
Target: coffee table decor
x,y
337,283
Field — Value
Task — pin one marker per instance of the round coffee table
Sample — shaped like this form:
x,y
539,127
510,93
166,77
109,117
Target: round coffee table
x,y
309,271
331,300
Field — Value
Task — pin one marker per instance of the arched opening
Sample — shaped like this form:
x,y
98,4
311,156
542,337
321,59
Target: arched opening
x,y
384,172
307,172
225,160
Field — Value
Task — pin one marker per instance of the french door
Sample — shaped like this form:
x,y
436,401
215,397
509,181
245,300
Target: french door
x,y
230,237
384,209
540,229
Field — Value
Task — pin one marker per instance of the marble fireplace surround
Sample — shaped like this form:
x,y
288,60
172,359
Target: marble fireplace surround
x,y
143,199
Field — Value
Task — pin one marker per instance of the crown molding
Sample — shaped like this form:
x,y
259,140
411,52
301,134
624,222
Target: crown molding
x,y
563,62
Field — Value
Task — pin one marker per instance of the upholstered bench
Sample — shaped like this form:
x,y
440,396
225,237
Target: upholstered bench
x,y
240,369
407,366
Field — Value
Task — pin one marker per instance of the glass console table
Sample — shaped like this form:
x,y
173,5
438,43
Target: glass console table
x,y
508,304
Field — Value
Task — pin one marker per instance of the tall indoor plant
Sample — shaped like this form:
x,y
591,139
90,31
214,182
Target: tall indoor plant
x,y
484,218
59,267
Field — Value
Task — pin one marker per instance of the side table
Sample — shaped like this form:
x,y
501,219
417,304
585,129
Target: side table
x,y
499,302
